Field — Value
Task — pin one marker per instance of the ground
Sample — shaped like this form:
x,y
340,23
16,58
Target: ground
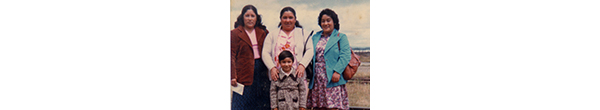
x,y
359,92
359,88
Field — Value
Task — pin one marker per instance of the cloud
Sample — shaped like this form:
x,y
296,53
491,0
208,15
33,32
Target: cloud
x,y
354,15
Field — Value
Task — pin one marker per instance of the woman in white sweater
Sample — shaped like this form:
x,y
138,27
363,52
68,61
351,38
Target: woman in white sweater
x,y
289,36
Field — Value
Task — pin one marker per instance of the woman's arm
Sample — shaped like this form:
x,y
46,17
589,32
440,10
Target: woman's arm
x,y
234,49
345,54
308,55
267,52
268,59
305,57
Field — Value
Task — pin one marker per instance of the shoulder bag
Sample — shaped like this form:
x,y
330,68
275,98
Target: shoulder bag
x,y
352,66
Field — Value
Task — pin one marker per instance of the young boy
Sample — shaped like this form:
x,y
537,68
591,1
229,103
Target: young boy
x,y
288,92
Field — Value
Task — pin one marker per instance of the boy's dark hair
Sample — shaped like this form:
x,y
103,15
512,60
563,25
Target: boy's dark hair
x,y
286,54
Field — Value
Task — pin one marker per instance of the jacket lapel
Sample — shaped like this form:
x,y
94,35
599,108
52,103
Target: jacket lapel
x,y
333,40
244,36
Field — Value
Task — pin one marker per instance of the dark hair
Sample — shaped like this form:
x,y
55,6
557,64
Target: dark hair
x,y
240,18
293,11
286,54
330,13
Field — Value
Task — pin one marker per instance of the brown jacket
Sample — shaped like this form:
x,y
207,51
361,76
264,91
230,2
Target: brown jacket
x,y
242,56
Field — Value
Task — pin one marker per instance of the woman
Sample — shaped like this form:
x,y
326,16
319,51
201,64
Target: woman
x,y
332,54
247,67
289,36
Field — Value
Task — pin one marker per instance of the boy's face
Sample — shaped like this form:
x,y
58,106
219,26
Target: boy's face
x,y
286,64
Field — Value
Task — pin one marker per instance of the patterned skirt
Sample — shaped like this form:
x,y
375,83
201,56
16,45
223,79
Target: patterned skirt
x,y
321,96
256,96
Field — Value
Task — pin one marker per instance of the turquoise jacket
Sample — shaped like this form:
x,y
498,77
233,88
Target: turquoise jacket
x,y
336,59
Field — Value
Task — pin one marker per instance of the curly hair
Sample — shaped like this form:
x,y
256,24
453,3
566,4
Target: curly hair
x,y
330,13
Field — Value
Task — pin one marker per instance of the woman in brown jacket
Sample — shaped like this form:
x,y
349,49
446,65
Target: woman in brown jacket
x,y
247,67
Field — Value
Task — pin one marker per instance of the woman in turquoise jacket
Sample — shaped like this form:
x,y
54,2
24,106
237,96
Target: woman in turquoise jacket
x,y
332,54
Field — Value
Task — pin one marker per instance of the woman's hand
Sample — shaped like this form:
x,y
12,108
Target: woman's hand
x,y
300,71
274,74
275,109
233,82
336,77
301,108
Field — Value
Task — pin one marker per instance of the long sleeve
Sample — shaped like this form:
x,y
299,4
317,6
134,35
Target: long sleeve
x,y
234,49
308,55
303,92
267,52
345,54
273,94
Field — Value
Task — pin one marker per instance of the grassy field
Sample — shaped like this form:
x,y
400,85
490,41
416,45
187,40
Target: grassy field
x,y
359,93
364,56
364,71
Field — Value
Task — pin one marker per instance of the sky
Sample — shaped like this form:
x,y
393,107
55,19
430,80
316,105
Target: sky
x,y
354,15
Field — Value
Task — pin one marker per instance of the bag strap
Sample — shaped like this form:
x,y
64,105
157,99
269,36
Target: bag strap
x,y
339,48
309,35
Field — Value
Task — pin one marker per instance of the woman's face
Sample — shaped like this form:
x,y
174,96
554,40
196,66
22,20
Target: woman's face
x,y
288,21
249,18
326,24
286,64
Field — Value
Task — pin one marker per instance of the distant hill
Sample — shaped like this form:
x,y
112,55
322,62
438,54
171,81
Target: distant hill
x,y
361,48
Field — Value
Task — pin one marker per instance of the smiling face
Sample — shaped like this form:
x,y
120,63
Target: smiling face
x,y
286,64
327,24
249,18
288,21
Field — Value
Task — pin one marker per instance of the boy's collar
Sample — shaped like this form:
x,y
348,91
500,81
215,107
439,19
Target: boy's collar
x,y
283,73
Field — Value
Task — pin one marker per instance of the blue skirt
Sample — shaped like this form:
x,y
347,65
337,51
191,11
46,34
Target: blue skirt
x,y
256,96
